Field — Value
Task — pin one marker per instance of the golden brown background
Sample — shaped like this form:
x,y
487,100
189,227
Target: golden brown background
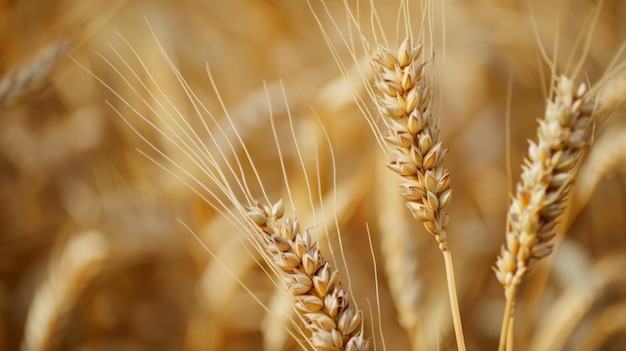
x,y
88,226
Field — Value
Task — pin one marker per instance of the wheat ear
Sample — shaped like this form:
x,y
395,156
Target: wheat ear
x,y
334,322
34,75
418,154
547,175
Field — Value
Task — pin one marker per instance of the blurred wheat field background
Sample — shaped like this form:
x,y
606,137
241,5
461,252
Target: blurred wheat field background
x,y
93,255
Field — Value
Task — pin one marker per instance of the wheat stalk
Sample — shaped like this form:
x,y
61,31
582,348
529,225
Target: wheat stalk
x,y
608,323
595,287
335,324
547,176
68,275
418,153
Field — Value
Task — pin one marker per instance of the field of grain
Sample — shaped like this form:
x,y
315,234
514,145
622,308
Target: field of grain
x,y
122,164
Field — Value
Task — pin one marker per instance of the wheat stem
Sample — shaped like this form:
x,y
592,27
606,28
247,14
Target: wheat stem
x,y
511,331
454,303
78,263
508,316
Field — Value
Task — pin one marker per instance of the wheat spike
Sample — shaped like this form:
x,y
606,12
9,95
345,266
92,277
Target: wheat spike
x,y
418,155
547,176
335,324
33,76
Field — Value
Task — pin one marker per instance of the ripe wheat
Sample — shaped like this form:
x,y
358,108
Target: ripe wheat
x,y
209,155
334,322
418,154
547,177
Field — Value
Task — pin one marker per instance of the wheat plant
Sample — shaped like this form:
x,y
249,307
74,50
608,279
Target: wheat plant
x,y
418,157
